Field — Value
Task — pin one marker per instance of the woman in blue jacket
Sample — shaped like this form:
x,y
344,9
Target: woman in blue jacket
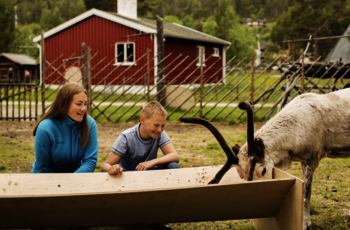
x,y
65,137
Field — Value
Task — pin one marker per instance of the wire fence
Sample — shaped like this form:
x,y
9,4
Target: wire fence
x,y
117,92
19,96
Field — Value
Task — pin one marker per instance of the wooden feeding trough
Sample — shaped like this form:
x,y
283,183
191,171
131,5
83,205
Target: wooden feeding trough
x,y
164,196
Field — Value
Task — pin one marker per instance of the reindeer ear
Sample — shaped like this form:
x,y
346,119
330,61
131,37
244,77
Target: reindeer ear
x,y
259,148
236,148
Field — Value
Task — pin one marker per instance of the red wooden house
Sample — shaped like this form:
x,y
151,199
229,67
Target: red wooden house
x,y
115,33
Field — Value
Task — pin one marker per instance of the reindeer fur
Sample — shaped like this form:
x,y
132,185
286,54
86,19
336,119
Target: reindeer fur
x,y
309,128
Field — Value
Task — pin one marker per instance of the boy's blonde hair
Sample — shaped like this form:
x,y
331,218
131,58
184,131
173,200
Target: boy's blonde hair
x,y
153,107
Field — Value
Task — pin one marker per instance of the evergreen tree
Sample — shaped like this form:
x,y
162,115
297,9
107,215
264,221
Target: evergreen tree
x,y
50,19
7,25
225,18
307,17
172,18
209,26
105,5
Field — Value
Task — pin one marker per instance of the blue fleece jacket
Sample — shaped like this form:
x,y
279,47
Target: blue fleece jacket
x,y
57,147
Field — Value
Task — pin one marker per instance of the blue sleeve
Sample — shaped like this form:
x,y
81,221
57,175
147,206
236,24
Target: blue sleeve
x,y
120,146
91,150
164,139
42,148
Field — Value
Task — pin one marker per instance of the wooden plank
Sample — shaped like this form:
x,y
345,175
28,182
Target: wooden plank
x,y
69,200
290,214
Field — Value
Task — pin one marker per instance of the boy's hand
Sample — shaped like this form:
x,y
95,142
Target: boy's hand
x,y
145,165
115,169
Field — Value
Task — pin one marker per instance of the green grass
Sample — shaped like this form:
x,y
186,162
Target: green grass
x,y
330,199
15,157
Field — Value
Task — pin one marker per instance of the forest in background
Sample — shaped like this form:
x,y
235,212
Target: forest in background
x,y
286,20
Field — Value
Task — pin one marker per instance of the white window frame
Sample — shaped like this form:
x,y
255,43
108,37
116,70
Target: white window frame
x,y
216,52
127,62
198,55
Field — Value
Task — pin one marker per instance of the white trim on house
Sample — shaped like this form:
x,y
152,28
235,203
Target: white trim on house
x,y
216,52
125,54
101,14
40,70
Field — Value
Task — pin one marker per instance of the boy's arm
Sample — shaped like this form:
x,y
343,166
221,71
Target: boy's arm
x,y
111,165
170,155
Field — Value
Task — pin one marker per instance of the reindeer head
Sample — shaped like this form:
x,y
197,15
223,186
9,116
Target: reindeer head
x,y
252,154
250,157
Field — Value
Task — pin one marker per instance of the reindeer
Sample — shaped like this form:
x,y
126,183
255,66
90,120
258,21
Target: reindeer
x,y
309,128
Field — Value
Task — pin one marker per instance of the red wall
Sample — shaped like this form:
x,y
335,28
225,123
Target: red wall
x,y
188,48
100,35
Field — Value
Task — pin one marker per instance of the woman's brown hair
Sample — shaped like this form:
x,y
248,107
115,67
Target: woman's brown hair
x,y
60,107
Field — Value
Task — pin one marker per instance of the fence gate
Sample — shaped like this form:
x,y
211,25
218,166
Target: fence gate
x,y
19,98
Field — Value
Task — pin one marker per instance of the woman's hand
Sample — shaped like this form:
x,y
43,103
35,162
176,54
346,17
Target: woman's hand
x,y
145,165
115,169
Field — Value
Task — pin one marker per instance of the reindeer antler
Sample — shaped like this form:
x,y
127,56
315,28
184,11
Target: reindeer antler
x,y
250,137
232,159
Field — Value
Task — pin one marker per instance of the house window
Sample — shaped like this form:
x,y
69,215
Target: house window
x,y
216,52
199,52
126,51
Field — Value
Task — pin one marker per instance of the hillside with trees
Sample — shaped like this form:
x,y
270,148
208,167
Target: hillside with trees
x,y
286,20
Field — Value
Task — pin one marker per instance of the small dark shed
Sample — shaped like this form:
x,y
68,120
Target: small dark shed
x,y
19,63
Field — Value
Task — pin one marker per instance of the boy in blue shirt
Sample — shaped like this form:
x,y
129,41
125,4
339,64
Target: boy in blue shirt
x,y
136,148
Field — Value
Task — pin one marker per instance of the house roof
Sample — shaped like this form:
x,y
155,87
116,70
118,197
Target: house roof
x,y
341,49
19,58
141,24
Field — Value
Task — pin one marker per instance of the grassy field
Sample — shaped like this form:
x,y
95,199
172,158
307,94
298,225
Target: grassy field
x,y
330,200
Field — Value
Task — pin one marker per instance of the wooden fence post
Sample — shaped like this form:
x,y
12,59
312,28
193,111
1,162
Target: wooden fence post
x,y
302,71
42,65
85,68
252,81
201,95
89,81
36,94
160,47
148,77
